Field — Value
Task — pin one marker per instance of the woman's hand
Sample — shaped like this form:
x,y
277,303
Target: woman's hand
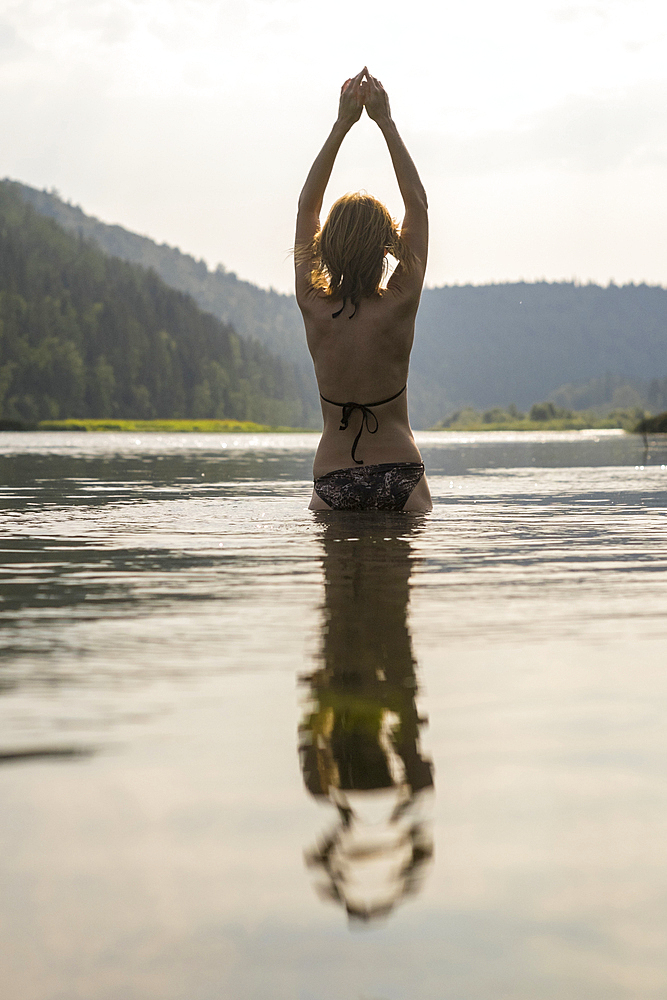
x,y
375,99
352,100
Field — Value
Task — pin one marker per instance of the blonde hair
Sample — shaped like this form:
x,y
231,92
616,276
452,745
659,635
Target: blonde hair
x,y
349,252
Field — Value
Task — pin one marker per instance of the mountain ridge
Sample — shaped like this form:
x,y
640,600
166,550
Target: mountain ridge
x,y
475,345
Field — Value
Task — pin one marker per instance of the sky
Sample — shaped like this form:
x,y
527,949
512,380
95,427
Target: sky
x,y
539,126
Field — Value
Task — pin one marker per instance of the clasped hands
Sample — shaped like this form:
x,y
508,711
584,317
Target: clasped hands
x,y
359,92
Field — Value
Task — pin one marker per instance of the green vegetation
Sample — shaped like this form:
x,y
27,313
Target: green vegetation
x,y
541,417
611,392
85,335
482,345
165,426
652,425
267,316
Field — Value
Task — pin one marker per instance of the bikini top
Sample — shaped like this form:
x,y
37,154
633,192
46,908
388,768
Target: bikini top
x,y
366,415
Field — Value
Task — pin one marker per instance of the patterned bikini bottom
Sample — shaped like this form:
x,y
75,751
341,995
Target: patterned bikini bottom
x,y
370,487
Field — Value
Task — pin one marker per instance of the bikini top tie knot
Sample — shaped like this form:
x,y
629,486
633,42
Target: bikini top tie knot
x,y
347,409
366,415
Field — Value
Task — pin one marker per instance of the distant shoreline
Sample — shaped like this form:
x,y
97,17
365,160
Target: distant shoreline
x,y
96,425
163,426
648,425
563,424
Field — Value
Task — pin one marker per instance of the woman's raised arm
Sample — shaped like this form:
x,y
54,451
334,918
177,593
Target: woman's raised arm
x,y
312,195
414,230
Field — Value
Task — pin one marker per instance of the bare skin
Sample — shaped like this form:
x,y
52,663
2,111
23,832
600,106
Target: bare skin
x,y
366,357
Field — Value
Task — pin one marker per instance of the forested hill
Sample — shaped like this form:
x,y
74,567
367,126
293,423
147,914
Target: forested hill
x,y
519,343
481,346
86,334
268,316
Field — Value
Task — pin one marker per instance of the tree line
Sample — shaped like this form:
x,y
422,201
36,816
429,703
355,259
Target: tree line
x,y
84,334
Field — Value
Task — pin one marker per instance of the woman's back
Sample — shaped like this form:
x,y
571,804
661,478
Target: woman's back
x,y
361,352
362,356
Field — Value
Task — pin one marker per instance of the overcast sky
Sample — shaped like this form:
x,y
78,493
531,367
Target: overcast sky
x,y
539,126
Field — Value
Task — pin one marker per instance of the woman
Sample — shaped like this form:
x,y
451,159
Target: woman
x,y
360,335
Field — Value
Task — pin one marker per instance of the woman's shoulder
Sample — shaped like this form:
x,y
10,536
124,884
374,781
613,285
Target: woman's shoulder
x,y
404,287
310,297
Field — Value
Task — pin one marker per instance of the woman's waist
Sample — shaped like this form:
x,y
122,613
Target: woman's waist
x,y
392,442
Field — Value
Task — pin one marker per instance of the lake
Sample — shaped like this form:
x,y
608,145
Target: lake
x,y
253,752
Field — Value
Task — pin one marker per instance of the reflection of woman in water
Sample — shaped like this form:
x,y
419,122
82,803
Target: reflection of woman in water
x,y
360,737
360,334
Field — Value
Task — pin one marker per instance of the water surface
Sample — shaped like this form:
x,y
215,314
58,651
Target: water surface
x,y
250,751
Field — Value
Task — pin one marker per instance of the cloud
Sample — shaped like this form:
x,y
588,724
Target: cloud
x,y
581,11
12,46
582,133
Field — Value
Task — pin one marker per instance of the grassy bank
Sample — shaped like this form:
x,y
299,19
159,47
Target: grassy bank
x,y
542,417
534,425
143,426
653,425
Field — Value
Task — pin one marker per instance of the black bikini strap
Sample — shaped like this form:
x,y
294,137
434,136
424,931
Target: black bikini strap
x,y
366,414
